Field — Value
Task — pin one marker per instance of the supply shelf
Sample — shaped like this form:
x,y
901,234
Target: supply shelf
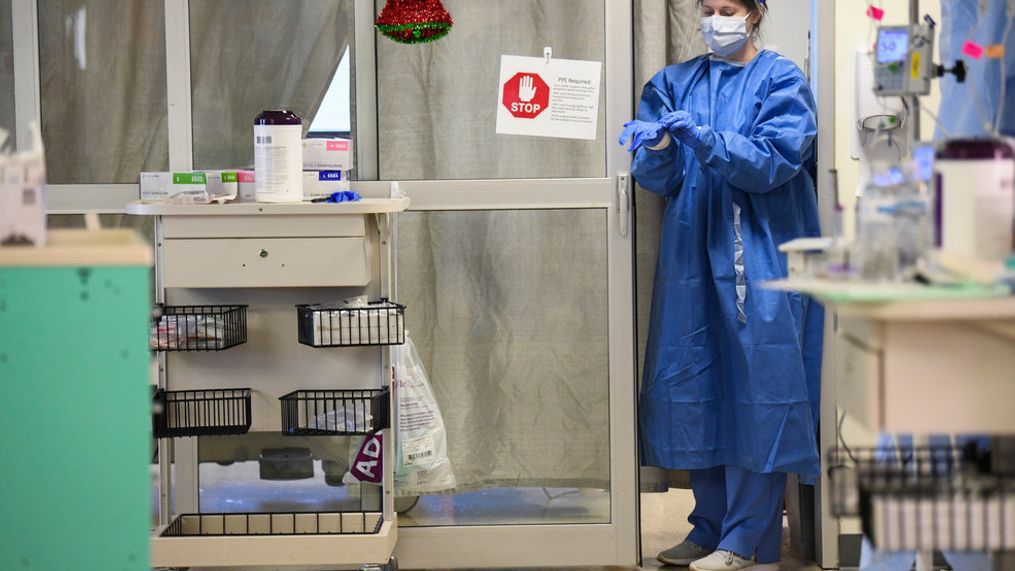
x,y
335,412
326,539
213,412
198,327
924,498
275,523
325,325
365,206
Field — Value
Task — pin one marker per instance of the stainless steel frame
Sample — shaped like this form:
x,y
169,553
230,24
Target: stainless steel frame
x,y
615,543
823,79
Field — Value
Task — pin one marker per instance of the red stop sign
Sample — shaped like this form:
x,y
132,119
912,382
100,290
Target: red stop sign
x,y
526,95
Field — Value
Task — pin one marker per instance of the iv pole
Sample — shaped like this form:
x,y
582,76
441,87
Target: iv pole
x,y
914,100
924,558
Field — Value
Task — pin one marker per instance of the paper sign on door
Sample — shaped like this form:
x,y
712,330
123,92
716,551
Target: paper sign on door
x,y
559,98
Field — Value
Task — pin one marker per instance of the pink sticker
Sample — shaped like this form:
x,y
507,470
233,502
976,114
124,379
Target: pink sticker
x,y
245,176
876,13
338,145
972,49
369,463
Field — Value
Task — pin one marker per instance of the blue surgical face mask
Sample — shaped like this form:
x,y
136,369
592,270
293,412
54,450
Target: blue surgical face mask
x,y
726,35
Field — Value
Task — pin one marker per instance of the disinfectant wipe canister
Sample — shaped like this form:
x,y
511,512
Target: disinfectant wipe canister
x,y
976,198
278,157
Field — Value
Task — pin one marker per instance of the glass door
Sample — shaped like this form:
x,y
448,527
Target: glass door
x,y
515,261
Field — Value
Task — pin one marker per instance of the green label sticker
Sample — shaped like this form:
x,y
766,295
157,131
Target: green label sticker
x,y
229,177
189,178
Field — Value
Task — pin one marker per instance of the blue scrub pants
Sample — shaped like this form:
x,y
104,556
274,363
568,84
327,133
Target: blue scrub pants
x,y
738,510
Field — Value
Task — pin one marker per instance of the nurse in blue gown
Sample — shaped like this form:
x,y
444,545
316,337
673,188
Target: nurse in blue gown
x,y
732,370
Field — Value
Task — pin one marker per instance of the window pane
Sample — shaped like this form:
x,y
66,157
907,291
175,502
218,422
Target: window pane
x,y
509,312
6,71
271,472
437,102
102,66
271,55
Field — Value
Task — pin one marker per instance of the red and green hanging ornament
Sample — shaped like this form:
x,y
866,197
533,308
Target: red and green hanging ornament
x,y
414,21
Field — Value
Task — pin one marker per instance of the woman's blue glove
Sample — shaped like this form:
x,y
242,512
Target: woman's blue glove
x,y
642,133
683,128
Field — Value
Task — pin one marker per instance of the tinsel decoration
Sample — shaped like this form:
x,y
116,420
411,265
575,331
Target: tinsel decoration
x,y
414,21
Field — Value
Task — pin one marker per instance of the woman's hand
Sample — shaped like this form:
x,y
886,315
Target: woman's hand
x,y
642,133
682,127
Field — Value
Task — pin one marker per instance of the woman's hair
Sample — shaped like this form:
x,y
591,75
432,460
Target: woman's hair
x,y
754,7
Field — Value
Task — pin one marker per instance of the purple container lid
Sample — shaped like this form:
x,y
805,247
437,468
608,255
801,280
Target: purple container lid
x,y
974,150
278,117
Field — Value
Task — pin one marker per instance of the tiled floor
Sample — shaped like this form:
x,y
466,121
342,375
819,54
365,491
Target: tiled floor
x,y
664,523
663,516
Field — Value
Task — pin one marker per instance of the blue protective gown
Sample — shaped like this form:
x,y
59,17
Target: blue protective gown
x,y
732,371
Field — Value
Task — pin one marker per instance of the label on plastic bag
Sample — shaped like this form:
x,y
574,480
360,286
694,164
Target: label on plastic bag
x,y
369,463
418,451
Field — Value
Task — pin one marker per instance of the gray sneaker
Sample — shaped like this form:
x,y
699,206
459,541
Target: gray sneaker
x,y
683,554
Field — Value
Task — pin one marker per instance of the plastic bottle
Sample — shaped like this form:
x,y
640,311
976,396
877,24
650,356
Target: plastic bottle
x,y
877,248
278,157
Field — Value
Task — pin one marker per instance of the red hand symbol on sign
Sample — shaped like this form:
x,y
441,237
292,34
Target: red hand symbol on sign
x,y
526,95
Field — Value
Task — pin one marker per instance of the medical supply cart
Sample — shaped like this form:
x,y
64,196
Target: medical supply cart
x,y
925,361
243,349
74,368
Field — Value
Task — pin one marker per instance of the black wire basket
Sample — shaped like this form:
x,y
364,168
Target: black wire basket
x,y
335,412
213,412
944,498
287,523
198,327
331,325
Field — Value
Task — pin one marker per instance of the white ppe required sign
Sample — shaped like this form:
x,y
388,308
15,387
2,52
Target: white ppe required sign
x,y
556,98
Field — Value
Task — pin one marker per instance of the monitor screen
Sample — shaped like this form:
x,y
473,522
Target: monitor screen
x,y
893,44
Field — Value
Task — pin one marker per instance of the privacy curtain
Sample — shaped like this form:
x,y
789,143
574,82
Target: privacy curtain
x,y
508,308
103,89
977,102
6,71
252,55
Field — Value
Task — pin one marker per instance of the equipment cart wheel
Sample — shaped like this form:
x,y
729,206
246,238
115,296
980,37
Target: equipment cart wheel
x,y
405,504
391,565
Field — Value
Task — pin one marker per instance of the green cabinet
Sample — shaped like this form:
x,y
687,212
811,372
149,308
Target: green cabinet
x,y
75,403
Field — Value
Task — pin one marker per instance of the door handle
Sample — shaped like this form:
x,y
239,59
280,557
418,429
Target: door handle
x,y
624,202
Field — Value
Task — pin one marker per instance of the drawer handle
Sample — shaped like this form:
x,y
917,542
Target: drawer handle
x,y
264,253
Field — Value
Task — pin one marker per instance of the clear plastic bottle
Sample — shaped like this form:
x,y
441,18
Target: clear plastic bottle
x,y
877,246
913,231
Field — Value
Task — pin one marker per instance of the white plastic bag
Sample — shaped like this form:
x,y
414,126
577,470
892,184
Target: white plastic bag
x,y
422,465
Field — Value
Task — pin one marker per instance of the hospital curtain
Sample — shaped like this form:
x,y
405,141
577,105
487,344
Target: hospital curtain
x,y
976,102
6,70
271,55
102,78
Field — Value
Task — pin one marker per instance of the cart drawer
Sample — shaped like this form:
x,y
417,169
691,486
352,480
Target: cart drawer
x,y
859,369
275,226
266,262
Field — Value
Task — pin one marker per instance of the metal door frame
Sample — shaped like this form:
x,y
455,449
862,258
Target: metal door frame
x,y
616,542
